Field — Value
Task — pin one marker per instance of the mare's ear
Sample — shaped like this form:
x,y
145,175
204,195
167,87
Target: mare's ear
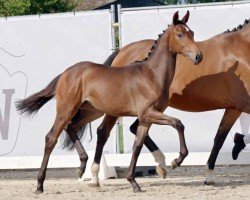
x,y
186,17
176,18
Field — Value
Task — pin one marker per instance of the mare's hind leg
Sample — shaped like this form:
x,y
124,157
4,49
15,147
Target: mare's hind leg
x,y
62,119
159,157
229,118
83,117
103,133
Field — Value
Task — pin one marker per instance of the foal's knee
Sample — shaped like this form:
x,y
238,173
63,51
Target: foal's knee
x,y
179,126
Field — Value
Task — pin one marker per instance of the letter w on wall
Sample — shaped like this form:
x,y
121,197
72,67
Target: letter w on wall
x,y
5,119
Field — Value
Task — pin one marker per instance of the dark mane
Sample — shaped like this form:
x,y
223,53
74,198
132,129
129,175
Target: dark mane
x,y
152,49
156,44
239,27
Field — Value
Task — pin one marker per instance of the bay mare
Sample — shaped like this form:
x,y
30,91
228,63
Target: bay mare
x,y
221,81
91,89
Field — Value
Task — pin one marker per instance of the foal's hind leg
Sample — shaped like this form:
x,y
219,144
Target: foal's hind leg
x,y
159,157
229,118
62,119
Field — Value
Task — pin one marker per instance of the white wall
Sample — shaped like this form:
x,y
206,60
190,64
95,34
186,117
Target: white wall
x,y
33,50
205,21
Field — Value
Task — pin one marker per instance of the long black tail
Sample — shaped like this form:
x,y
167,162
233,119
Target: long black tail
x,y
67,143
32,104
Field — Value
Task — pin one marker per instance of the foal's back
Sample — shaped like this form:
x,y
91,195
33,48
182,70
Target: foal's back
x,y
119,87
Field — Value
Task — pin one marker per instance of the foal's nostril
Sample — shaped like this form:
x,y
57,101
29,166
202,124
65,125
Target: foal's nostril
x,y
198,58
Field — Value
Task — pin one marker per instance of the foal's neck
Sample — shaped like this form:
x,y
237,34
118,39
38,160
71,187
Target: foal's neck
x,y
162,61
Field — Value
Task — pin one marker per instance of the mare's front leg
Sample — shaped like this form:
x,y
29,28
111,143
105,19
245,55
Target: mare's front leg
x,y
80,120
229,118
156,117
103,132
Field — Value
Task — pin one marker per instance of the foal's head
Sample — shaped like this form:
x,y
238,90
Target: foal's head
x,y
181,39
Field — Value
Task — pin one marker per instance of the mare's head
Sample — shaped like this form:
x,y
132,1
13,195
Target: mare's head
x,y
181,39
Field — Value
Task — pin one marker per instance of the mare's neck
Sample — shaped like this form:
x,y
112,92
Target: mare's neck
x,y
245,33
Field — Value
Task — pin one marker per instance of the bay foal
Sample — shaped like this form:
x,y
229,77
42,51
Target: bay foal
x,y
141,90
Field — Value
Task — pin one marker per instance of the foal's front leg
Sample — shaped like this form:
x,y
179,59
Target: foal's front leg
x,y
159,157
141,133
156,117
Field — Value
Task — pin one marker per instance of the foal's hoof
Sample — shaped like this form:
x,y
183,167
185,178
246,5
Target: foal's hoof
x,y
79,173
209,183
174,164
137,190
161,172
96,185
38,191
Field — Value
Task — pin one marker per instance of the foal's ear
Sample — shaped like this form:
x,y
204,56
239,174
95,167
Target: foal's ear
x,y
186,17
176,18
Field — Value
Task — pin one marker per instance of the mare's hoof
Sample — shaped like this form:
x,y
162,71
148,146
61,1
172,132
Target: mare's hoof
x,y
38,191
96,185
174,164
161,172
79,173
209,183
137,190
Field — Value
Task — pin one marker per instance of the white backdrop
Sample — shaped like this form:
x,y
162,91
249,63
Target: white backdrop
x,y
33,50
205,21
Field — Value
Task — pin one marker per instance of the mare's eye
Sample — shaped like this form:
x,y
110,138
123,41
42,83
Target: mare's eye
x,y
179,35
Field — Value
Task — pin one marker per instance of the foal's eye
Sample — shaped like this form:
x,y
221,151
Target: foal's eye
x,y
179,35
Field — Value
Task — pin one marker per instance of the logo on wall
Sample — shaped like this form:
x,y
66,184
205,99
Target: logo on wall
x,y
12,87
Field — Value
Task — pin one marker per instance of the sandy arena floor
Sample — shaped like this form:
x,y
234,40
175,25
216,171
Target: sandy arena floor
x,y
184,183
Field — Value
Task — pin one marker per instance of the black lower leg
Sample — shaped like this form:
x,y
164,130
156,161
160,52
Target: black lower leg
x,y
148,142
49,145
80,150
228,120
131,170
218,143
102,137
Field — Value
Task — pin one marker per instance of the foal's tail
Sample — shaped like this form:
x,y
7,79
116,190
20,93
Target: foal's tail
x,y
32,104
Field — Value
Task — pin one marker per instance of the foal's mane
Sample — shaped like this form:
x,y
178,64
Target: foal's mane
x,y
247,21
156,43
